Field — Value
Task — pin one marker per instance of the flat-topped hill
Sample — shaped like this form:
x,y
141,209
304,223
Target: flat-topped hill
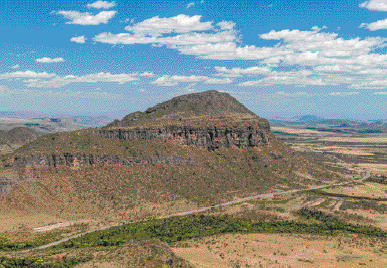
x,y
193,150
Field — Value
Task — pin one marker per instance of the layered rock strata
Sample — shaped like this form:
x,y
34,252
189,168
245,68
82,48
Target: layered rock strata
x,y
210,138
78,160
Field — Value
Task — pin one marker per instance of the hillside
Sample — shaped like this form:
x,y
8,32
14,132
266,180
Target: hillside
x,y
16,137
194,150
46,125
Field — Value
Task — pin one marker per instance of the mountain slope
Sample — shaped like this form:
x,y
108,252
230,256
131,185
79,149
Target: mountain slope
x,y
194,150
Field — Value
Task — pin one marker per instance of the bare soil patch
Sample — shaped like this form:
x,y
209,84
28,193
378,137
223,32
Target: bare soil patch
x,y
283,250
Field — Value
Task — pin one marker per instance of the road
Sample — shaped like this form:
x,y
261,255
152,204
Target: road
x,y
367,175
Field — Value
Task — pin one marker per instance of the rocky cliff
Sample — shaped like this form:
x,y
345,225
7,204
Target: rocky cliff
x,y
211,138
84,160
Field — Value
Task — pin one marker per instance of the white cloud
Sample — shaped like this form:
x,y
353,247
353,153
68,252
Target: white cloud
x,y
376,5
380,93
5,91
190,4
192,78
226,25
295,94
79,39
59,81
316,28
86,18
179,24
52,80
331,68
172,41
286,80
325,58
343,94
17,66
235,72
373,26
164,81
150,74
167,80
218,81
102,4
50,60
26,74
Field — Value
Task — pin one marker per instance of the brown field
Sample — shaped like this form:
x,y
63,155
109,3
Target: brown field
x,y
283,250
368,189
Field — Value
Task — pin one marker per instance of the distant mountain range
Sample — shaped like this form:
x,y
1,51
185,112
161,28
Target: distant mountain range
x,y
332,125
47,125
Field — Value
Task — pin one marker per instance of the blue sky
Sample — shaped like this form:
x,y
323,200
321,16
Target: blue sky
x,y
280,58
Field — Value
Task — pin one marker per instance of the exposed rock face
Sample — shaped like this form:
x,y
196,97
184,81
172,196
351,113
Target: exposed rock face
x,y
210,138
78,160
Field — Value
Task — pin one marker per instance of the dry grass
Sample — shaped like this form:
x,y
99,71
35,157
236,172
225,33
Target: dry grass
x,y
372,190
374,168
283,250
373,139
296,130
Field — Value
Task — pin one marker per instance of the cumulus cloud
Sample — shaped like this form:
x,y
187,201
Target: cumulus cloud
x,y
44,79
59,81
179,24
343,94
316,28
102,4
26,74
235,72
323,57
167,80
150,74
190,4
373,26
86,18
79,39
6,91
50,60
299,79
295,94
218,81
376,5
226,25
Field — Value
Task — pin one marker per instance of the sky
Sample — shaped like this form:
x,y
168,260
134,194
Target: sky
x,y
280,58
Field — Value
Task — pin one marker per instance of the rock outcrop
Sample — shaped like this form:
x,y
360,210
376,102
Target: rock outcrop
x,y
84,160
210,138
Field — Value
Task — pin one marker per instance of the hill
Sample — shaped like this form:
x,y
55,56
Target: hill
x,y
193,150
46,125
16,137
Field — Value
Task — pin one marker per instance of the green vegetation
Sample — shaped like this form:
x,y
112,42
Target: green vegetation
x,y
64,262
182,228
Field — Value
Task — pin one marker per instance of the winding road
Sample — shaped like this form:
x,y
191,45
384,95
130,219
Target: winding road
x,y
367,175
